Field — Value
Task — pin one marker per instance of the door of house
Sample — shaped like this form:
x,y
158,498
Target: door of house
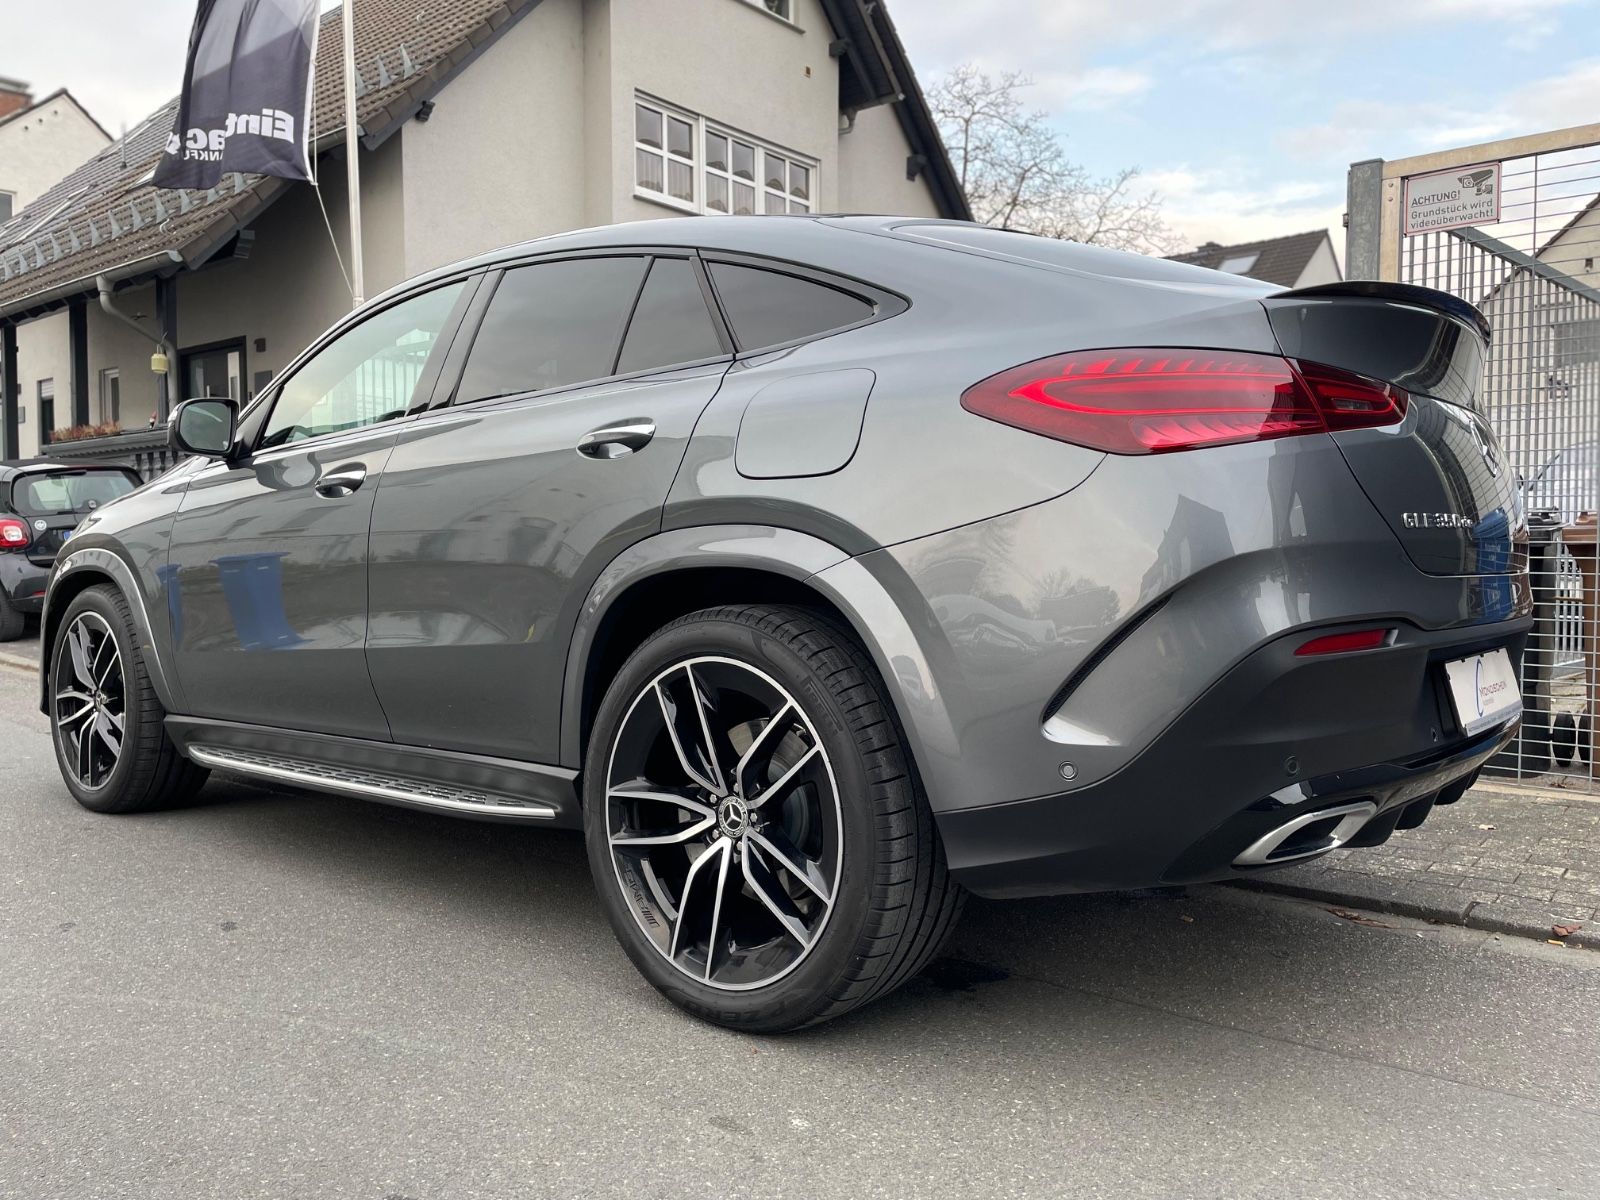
x,y
216,370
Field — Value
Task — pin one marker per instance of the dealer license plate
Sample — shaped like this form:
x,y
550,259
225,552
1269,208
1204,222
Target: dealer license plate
x,y
1484,690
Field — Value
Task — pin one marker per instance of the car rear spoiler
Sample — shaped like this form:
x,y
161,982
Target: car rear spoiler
x,y
1400,293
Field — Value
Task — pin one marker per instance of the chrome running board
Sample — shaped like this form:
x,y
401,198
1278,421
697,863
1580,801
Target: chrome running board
x,y
369,784
1264,851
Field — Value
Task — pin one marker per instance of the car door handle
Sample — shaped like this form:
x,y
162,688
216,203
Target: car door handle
x,y
614,441
341,482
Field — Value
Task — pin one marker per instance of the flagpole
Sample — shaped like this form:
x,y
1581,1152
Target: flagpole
x,y
358,287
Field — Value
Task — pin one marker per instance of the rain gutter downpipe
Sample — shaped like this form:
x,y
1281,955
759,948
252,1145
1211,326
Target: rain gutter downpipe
x,y
103,285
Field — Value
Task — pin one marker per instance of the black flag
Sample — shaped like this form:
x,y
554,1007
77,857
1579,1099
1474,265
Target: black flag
x,y
246,98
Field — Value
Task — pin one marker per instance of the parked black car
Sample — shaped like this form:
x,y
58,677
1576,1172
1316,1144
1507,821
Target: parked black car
x,y
822,570
41,503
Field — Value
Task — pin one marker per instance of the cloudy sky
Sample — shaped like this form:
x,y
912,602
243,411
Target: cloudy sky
x,y
1243,114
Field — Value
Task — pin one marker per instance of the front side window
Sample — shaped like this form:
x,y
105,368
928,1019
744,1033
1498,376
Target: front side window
x,y
367,374
769,308
551,325
690,163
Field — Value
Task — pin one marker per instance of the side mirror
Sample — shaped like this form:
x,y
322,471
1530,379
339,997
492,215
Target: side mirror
x,y
204,427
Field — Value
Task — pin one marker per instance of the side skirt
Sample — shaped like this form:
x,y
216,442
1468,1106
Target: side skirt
x,y
465,785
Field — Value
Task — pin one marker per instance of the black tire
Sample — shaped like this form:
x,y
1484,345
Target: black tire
x,y
147,772
12,622
1563,738
894,904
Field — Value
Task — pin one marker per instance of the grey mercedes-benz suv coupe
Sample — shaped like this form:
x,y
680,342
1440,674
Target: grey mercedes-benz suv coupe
x,y
823,570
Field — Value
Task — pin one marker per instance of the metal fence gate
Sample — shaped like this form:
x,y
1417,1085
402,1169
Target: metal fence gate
x,y
1535,273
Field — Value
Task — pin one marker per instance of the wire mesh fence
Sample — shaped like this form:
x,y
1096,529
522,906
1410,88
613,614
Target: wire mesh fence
x,y
1534,275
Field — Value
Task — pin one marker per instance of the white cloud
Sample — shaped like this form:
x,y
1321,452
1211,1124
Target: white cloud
x,y
1403,126
1099,87
1227,205
1047,37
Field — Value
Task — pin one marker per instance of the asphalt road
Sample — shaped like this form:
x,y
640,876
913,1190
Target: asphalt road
x,y
281,995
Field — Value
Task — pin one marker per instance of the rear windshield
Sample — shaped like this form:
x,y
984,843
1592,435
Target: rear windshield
x,y
68,492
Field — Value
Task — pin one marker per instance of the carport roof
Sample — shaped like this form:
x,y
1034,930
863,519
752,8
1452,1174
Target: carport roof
x,y
106,219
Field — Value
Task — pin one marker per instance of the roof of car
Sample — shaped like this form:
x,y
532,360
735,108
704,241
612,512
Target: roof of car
x,y
812,239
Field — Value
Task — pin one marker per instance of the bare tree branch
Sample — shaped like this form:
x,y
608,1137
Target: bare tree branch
x,y
1017,175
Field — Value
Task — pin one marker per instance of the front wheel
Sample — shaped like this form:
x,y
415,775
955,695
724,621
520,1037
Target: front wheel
x,y
105,719
755,828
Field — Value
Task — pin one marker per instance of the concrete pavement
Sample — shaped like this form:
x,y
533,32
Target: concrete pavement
x,y
276,995
1504,858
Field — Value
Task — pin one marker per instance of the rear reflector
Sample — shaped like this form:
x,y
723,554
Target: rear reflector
x,y
1343,643
1157,401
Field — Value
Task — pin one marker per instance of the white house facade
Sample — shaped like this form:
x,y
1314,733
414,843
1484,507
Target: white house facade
x,y
40,141
485,123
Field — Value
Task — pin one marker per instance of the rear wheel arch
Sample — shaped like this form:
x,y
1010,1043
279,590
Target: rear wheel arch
x,y
654,601
680,571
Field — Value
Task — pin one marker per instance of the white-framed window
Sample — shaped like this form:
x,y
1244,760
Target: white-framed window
x,y
111,394
7,204
782,9
688,162
664,154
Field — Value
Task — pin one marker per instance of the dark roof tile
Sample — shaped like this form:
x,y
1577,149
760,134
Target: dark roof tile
x,y
1279,260
108,209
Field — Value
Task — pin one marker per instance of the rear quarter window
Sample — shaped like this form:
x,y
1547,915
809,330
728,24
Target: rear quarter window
x,y
77,492
770,308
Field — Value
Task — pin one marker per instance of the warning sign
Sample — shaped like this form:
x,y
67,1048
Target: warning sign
x,y
1452,199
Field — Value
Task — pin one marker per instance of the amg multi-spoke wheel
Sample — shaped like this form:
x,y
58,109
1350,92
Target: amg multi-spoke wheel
x,y
723,817
754,826
89,699
112,748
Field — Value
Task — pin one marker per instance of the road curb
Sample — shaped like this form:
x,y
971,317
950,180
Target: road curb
x,y
1430,902
18,661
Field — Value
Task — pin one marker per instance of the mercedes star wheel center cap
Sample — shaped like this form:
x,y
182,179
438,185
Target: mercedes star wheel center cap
x,y
733,816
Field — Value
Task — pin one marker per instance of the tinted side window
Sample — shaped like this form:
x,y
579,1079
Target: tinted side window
x,y
767,308
671,323
366,374
550,325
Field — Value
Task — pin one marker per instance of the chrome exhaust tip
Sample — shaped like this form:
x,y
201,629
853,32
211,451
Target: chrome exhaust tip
x,y
1308,835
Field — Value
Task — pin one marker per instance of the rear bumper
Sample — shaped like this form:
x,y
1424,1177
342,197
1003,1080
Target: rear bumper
x,y
23,582
1275,739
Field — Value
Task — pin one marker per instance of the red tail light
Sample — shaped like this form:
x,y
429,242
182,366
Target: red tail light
x,y
1343,643
13,534
1154,401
